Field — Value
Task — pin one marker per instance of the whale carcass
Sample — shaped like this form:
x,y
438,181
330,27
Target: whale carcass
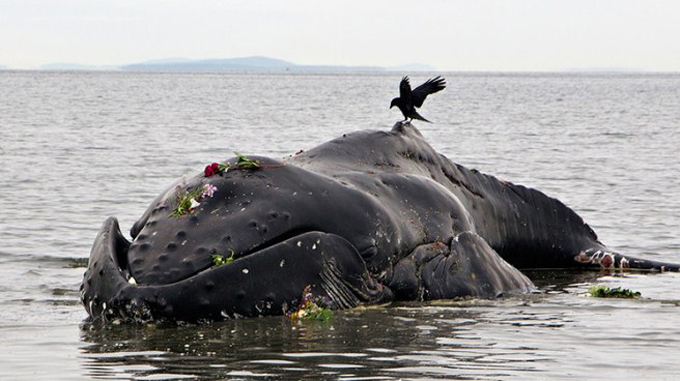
x,y
369,217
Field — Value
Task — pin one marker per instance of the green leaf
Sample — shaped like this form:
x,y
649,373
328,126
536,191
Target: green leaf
x,y
244,162
323,314
183,200
219,259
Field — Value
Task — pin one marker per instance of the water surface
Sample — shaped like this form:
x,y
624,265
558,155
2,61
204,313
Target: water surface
x,y
78,147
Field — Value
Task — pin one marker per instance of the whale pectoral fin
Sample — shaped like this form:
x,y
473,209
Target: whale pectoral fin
x,y
474,269
602,258
468,267
406,280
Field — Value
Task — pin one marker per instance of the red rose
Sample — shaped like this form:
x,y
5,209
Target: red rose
x,y
212,169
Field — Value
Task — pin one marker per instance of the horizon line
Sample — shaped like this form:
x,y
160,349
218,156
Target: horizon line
x,y
115,69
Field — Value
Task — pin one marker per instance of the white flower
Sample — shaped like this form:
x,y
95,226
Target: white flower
x,y
194,203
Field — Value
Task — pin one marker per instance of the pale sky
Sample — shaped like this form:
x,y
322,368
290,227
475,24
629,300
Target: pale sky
x,y
473,35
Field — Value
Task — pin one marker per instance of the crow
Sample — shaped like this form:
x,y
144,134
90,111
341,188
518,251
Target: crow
x,y
408,100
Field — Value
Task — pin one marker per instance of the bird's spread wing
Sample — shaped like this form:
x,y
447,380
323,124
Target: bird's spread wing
x,y
404,89
421,92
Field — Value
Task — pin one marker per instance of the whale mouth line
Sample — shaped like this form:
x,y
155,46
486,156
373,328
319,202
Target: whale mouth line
x,y
277,240
254,251
119,246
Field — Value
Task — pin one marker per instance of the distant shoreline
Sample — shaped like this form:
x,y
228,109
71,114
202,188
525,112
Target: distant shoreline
x,y
268,65
356,72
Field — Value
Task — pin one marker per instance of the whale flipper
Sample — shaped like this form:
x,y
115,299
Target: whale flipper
x,y
466,267
598,257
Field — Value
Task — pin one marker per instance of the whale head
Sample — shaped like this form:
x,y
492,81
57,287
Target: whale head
x,y
242,242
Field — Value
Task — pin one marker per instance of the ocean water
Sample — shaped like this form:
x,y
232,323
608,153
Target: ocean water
x,y
78,147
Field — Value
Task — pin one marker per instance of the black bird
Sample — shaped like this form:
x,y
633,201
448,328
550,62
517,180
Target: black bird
x,y
408,100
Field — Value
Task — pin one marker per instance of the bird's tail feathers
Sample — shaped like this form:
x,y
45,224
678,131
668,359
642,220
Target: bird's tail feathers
x,y
415,115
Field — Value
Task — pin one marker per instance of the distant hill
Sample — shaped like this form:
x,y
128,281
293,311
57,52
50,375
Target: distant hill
x,y
228,64
75,66
241,64
3,67
248,64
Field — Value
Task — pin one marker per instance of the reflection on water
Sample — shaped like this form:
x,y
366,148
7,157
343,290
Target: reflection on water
x,y
376,342
528,336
